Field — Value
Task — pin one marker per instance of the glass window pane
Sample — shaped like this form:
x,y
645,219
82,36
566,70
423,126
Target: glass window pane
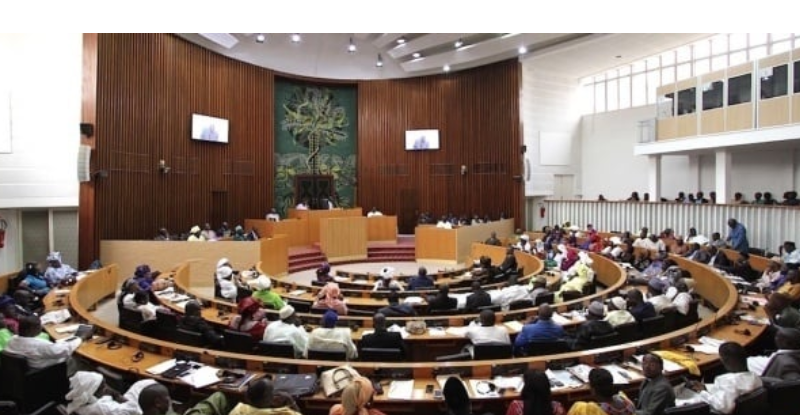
x,y
638,66
600,78
780,36
653,62
587,81
684,71
668,75
638,90
781,47
738,41
600,97
758,53
587,99
684,53
653,82
612,95
702,49
796,77
719,62
687,103
666,106
712,95
740,89
757,39
668,58
774,81
703,66
612,74
738,58
624,70
624,92
719,44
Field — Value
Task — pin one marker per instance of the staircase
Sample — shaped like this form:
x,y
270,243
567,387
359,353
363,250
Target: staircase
x,y
304,258
391,253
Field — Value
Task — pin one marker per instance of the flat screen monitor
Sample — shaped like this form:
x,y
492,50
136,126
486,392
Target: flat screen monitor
x,y
205,128
422,140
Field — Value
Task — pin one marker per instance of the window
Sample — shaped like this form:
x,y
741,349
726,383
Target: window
x,y
702,49
587,99
684,71
719,44
712,95
668,75
639,90
624,70
687,101
758,53
668,58
738,58
781,47
719,62
612,96
702,66
684,53
796,77
740,89
666,106
774,81
625,92
653,82
757,39
600,97
638,66
738,41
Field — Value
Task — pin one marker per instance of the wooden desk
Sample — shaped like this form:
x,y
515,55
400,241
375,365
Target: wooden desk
x,y
454,245
296,230
382,228
314,216
343,239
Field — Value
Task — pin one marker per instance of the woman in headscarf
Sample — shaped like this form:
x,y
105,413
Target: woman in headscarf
x,y
251,318
89,395
536,397
355,398
570,259
57,272
324,273
330,297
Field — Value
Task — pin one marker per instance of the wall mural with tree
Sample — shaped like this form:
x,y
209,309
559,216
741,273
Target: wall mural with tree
x,y
315,133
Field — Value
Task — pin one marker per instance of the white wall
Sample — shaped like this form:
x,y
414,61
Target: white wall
x,y
43,74
11,254
763,171
674,176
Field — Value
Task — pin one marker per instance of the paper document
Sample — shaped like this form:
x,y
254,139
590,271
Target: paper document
x,y
581,371
436,331
202,377
509,382
514,326
457,331
622,375
394,328
764,321
62,291
705,348
161,367
67,329
413,300
401,389
297,292
562,379
669,365
560,320
56,317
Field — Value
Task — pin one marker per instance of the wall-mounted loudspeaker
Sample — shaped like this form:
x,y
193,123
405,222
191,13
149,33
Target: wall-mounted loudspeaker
x,y
87,129
84,162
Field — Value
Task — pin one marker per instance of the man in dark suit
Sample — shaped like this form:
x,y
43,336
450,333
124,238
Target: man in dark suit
x,y
382,338
442,300
478,298
422,281
718,259
785,363
656,393
395,309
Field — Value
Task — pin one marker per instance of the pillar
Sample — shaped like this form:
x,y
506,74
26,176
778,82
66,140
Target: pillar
x,y
723,176
654,177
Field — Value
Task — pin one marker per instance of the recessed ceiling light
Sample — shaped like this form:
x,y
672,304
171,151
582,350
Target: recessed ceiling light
x,y
260,38
619,56
296,37
401,41
351,48
522,50
416,55
446,68
379,63
459,43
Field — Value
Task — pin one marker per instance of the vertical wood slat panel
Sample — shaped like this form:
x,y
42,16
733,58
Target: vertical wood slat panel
x,y
477,113
150,84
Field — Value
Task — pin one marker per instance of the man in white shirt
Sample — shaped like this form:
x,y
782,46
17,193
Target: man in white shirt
x,y
682,299
722,394
89,395
659,300
790,254
285,331
273,216
618,313
330,337
39,353
227,287
374,212
486,331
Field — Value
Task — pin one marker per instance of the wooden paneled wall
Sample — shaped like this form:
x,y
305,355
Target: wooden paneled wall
x,y
477,114
148,85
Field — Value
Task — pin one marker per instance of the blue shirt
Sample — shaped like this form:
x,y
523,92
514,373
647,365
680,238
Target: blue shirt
x,y
541,330
738,238
643,311
419,282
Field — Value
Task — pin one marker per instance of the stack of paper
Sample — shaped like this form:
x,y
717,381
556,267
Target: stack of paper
x,y
394,328
202,377
509,382
56,317
401,389
562,379
72,328
622,375
581,371
764,321
161,367
482,388
413,300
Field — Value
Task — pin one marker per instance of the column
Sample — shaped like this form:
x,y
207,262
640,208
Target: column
x,y
654,177
723,176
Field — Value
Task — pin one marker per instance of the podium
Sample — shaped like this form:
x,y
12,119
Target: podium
x,y
344,238
313,218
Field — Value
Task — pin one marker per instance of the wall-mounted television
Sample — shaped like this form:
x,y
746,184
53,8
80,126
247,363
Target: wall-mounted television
x,y
205,128
422,139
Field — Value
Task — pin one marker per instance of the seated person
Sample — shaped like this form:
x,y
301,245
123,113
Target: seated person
x,y
535,397
422,281
539,286
524,243
38,352
302,205
484,270
251,318
511,293
224,231
570,258
374,212
770,275
680,248
331,338
618,313
382,338
444,223
682,299
601,383
34,280
324,273
509,264
227,287
639,308
261,399
717,241
330,297
656,266
492,240
193,321
656,393
789,254
195,235
127,293
791,288
721,395
90,395
540,330
395,308
144,306
487,331
273,215
592,327
784,364
651,243
238,234
442,300
387,281
57,272
694,238
287,330
657,295
265,295
741,268
478,298
207,233
780,312
163,235
144,276
578,275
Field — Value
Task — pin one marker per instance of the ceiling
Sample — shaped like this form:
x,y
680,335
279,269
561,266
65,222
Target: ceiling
x,y
326,55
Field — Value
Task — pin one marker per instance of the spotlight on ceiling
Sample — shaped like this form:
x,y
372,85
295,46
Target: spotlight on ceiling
x,y
351,48
416,55
260,38
446,68
401,40
459,43
522,50
379,63
296,37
